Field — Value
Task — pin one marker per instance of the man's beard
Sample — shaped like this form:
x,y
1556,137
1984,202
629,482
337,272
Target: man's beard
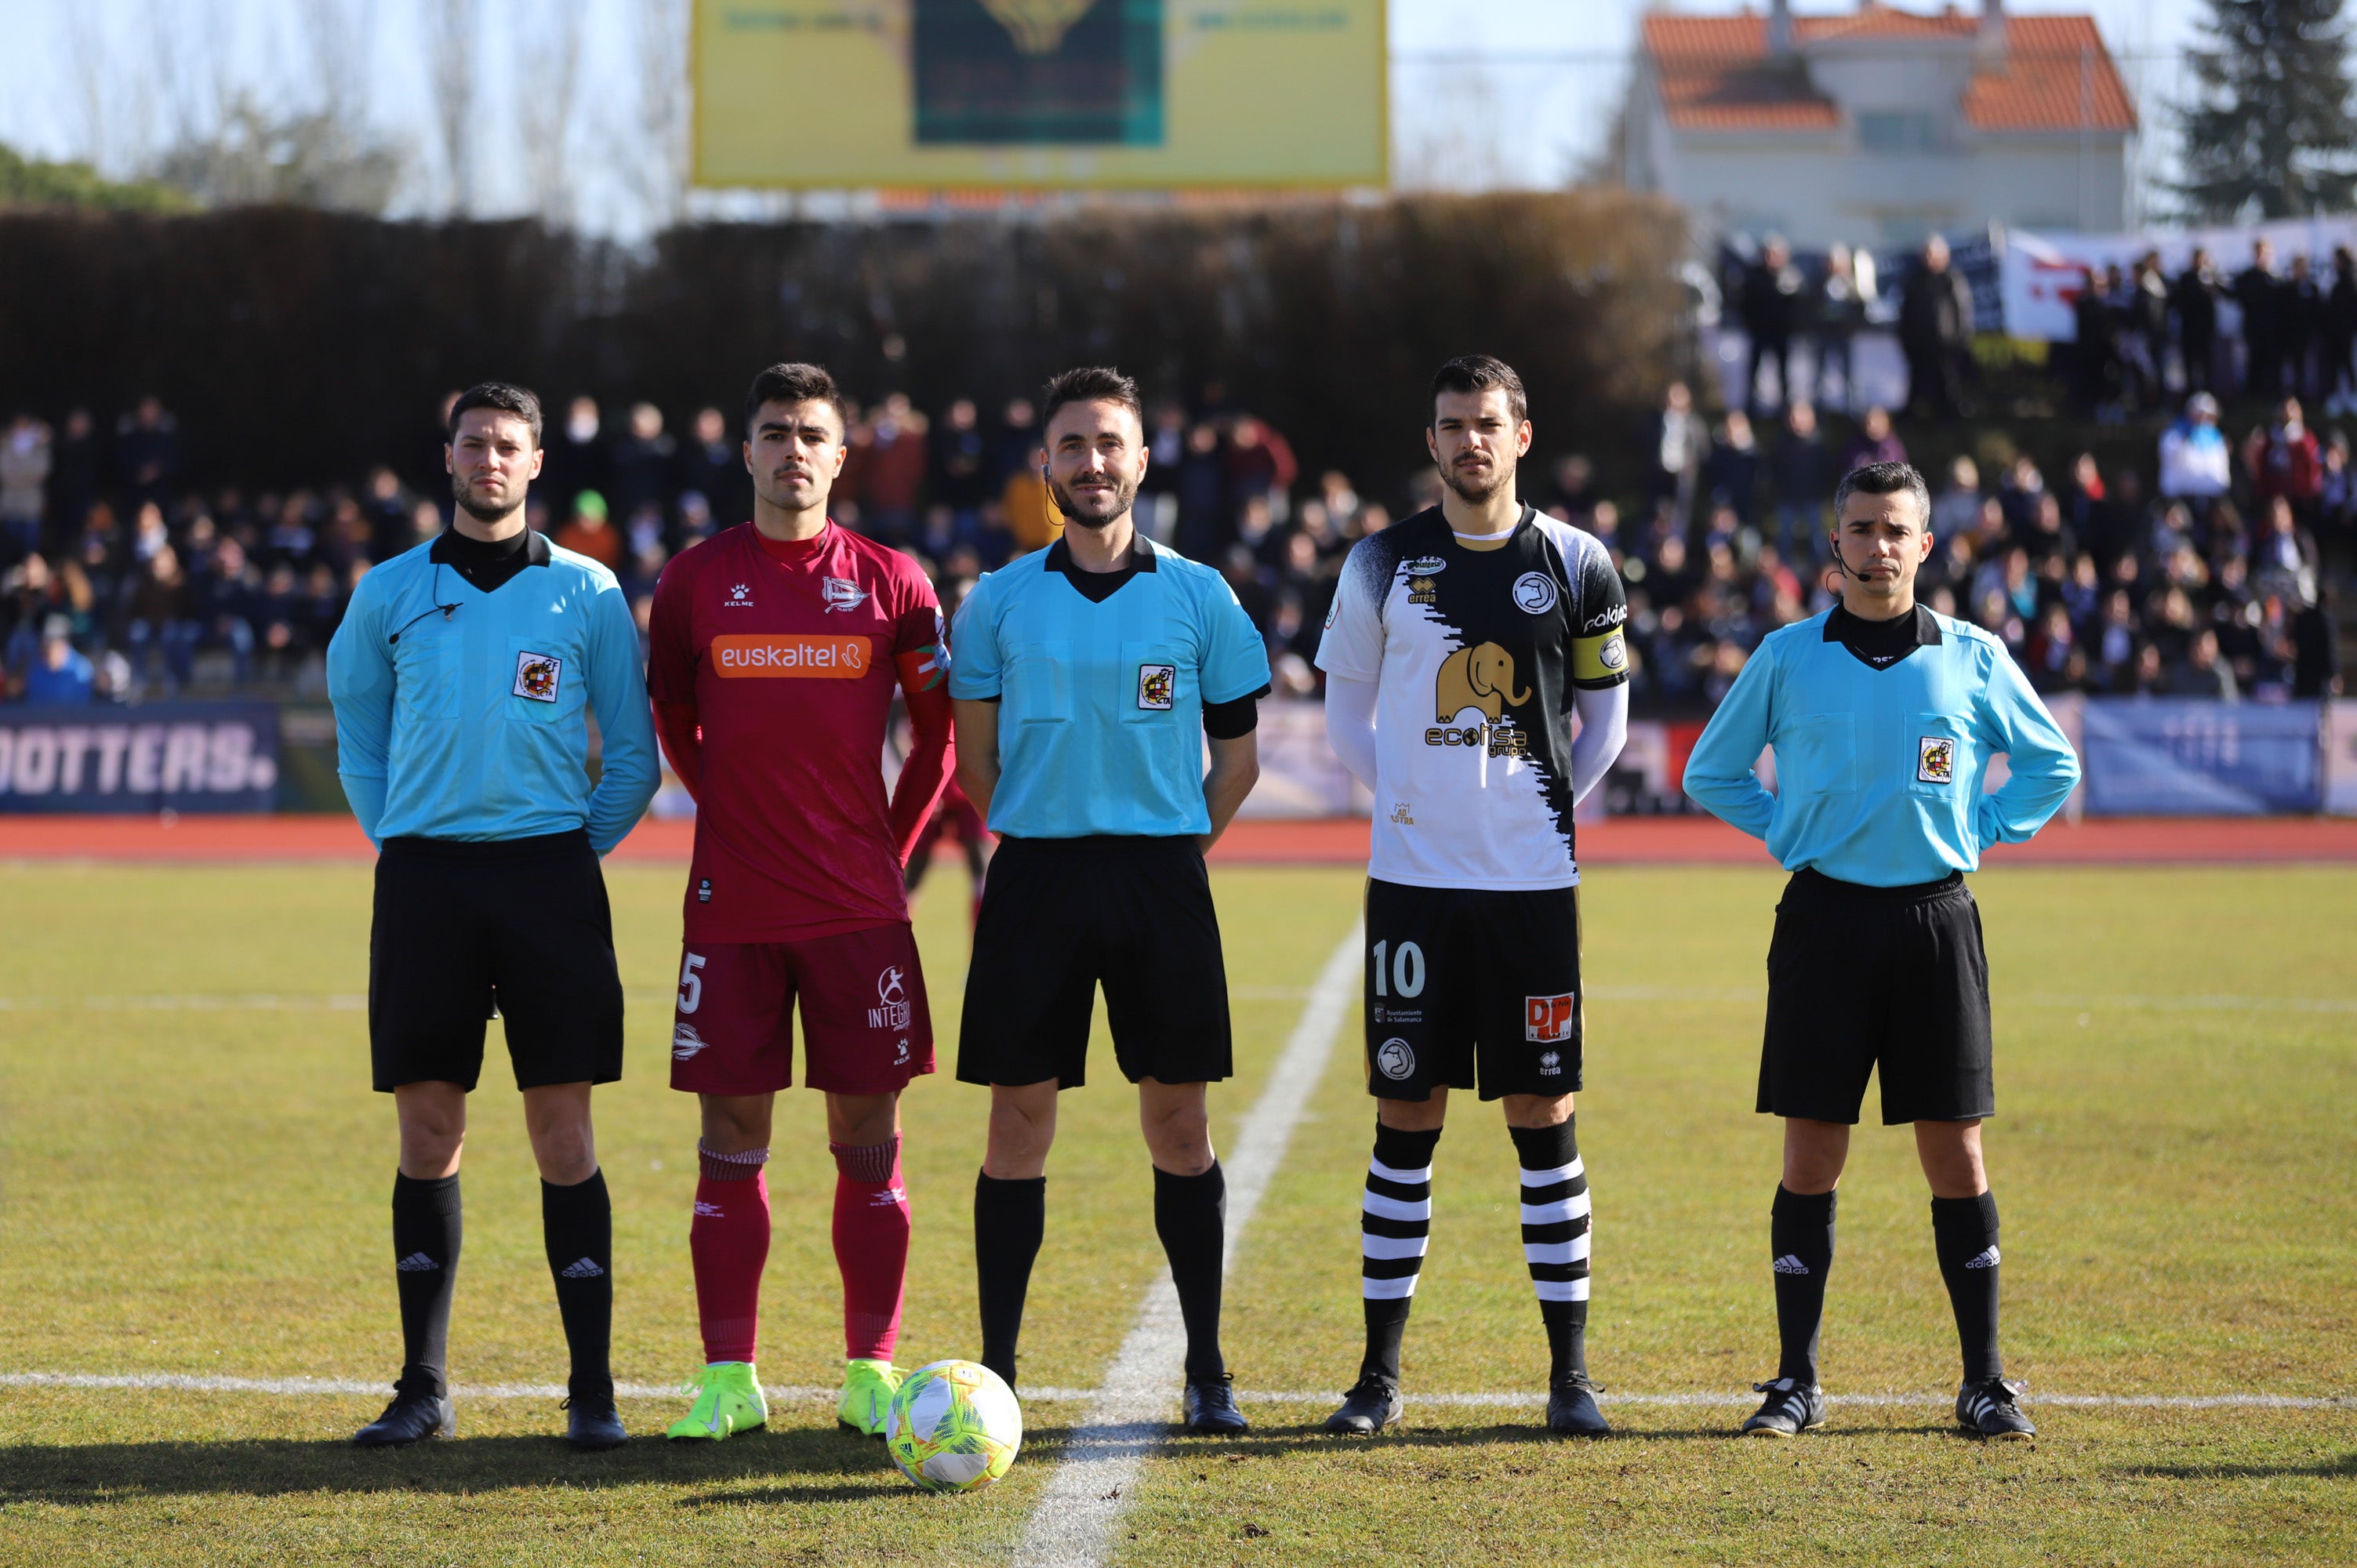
x,y
1125,497
479,511
1470,490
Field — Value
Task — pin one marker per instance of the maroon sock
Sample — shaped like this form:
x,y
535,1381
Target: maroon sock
x,y
871,1246
728,1243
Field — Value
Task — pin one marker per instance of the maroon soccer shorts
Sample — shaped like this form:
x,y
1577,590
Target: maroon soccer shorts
x,y
865,1029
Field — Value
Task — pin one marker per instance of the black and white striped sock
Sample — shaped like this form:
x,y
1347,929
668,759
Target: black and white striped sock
x,y
1394,1227
1555,1240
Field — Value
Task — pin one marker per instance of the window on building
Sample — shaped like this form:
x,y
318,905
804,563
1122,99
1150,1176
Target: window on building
x,y
1889,133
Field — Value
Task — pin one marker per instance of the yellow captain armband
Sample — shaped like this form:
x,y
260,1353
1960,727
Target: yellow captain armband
x,y
1600,661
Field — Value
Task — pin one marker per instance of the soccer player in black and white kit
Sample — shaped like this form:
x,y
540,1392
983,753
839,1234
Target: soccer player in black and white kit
x,y
1460,643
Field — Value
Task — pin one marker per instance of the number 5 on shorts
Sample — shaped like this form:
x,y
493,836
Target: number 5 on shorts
x,y
691,985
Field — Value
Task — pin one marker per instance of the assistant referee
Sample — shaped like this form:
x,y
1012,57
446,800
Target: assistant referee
x,y
462,678
1883,718
1084,676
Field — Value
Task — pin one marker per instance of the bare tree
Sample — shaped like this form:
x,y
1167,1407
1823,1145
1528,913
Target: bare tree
x,y
112,101
453,27
546,112
663,109
339,40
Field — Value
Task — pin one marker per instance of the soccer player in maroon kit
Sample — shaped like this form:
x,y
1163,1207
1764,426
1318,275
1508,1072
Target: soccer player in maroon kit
x,y
775,649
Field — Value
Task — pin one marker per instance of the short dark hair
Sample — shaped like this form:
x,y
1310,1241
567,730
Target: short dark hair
x,y
795,382
1090,383
1884,479
1478,373
506,397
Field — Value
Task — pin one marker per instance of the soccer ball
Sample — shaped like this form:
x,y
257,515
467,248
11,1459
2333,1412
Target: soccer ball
x,y
953,1426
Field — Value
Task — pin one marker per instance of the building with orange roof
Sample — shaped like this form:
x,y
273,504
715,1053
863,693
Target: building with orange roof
x,y
1881,125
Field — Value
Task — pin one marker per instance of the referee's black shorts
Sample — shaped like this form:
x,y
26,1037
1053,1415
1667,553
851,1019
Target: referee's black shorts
x,y
1860,978
518,924
1059,915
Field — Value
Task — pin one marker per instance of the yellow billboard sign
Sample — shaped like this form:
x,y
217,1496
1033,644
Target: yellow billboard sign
x,y
1039,94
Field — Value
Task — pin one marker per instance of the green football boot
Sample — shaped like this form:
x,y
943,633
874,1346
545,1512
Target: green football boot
x,y
728,1399
868,1391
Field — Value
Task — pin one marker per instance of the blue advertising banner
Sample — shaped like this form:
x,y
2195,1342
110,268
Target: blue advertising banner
x,y
184,756
2150,756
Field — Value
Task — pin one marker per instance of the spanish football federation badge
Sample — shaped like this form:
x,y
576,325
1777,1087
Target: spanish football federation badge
x,y
1935,759
537,675
1158,686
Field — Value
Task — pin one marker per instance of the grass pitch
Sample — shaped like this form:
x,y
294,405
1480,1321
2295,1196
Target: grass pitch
x,y
194,1178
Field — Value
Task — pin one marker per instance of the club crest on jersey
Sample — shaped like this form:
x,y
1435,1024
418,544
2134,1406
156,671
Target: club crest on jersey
x,y
685,1042
1534,593
1935,759
537,675
842,594
1614,653
1395,1059
891,1009
1548,1019
740,597
1158,686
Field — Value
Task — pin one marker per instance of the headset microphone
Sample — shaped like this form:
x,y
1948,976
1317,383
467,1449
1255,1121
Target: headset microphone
x,y
447,611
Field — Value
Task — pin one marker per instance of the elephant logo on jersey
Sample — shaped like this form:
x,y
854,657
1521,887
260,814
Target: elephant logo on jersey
x,y
1936,761
891,1009
1481,676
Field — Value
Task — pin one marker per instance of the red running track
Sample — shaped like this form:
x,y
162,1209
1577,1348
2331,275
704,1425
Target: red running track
x,y
1625,840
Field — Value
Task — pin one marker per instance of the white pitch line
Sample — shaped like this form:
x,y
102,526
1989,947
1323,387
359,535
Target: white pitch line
x,y
1071,1525
795,1393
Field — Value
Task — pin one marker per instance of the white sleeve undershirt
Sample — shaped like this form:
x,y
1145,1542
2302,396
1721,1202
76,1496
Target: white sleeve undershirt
x,y
1351,725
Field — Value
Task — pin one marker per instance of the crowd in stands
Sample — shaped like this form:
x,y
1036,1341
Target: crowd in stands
x,y
118,580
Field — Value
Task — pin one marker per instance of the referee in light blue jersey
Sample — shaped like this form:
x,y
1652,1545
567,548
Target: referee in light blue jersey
x,y
1085,678
1883,718
463,676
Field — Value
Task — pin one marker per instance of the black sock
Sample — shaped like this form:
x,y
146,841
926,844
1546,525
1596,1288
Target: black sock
x,y
1395,1228
1010,1218
426,1232
577,1224
1191,1215
1800,1239
1555,1240
1963,1230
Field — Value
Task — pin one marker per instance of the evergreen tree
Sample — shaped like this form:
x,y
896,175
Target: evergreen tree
x,y
2270,127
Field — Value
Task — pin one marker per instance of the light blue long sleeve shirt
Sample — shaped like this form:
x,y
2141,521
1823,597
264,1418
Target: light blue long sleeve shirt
x,y
473,725
1879,772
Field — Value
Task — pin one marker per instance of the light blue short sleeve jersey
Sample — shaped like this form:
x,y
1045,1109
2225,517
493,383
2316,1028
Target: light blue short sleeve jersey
x,y
1878,772
1101,704
475,724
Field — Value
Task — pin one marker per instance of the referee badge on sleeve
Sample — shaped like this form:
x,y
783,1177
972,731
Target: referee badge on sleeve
x,y
1158,686
1935,759
537,675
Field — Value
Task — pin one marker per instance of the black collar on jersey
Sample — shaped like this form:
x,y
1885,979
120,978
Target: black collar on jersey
x,y
1098,586
1879,644
488,563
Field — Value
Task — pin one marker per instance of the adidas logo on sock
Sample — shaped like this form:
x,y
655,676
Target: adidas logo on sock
x,y
709,1211
581,1268
1790,1264
417,1263
890,1197
1985,1259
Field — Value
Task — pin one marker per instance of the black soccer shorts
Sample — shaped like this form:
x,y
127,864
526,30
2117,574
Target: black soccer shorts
x,y
521,924
1059,915
1467,987
1866,977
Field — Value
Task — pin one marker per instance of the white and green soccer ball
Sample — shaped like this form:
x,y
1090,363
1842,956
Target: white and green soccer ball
x,y
953,1426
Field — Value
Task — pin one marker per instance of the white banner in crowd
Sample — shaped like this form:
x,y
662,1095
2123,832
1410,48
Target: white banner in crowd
x,y
2040,273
